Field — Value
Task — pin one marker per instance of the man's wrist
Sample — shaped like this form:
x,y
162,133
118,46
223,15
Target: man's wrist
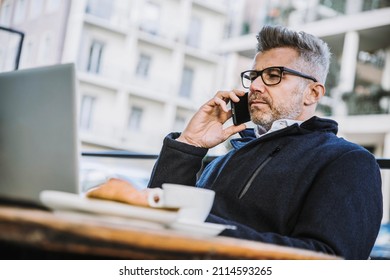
x,y
187,141
171,142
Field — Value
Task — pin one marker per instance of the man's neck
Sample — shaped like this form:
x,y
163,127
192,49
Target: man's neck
x,y
276,125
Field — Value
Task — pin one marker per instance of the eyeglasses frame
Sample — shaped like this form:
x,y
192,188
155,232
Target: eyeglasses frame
x,y
282,70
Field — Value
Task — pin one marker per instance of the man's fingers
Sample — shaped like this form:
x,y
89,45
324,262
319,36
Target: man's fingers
x,y
235,94
220,100
221,103
230,95
233,129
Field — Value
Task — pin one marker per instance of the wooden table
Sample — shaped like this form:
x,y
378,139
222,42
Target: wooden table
x,y
40,230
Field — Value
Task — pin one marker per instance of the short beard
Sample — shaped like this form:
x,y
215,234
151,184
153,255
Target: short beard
x,y
291,111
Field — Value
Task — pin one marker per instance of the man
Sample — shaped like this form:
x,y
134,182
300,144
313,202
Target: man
x,y
290,180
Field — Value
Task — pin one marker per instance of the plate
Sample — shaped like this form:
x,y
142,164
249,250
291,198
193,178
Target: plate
x,y
199,228
112,221
57,200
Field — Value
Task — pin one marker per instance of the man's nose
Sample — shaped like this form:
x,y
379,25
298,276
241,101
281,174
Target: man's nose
x,y
257,85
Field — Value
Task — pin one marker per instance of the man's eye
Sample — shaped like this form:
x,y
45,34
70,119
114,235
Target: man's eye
x,y
253,77
274,75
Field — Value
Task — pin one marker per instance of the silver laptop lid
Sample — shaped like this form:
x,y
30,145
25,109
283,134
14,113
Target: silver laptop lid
x,y
39,147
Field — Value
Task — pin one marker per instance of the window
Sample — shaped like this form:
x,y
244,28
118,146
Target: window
x,y
52,5
179,123
5,13
45,49
86,111
143,65
100,8
135,118
8,52
150,18
2,58
28,53
95,56
338,6
36,7
369,5
194,32
21,9
186,82
376,58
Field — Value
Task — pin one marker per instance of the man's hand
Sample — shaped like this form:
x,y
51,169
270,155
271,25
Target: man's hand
x,y
206,127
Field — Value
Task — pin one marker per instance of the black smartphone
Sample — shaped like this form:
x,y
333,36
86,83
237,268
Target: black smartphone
x,y
240,110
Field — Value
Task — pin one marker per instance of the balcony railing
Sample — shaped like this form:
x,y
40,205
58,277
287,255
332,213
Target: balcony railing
x,y
371,102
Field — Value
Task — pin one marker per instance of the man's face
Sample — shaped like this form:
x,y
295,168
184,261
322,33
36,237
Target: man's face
x,y
282,101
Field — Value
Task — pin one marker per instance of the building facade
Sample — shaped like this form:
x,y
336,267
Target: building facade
x,y
44,24
143,66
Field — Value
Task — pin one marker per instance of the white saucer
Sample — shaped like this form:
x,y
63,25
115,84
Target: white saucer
x,y
76,207
198,228
112,221
64,201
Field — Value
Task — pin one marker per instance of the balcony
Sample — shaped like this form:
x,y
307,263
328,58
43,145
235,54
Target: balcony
x,y
366,101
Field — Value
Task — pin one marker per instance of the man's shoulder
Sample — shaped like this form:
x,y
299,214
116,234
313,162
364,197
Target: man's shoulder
x,y
320,124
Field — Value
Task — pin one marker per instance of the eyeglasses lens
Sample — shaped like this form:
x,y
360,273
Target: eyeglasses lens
x,y
272,76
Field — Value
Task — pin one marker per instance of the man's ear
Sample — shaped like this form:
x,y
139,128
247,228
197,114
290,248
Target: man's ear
x,y
315,92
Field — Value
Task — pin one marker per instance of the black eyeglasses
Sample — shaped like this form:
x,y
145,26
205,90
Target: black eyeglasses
x,y
271,76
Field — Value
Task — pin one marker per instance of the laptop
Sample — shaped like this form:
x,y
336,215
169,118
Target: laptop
x,y
39,146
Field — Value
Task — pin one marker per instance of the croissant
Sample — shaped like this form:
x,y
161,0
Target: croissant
x,y
121,191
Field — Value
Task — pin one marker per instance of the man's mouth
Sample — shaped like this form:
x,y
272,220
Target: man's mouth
x,y
257,103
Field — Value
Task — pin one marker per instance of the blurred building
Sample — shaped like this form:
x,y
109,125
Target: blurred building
x,y
144,66
44,24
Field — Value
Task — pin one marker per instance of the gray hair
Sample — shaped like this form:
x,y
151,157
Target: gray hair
x,y
314,52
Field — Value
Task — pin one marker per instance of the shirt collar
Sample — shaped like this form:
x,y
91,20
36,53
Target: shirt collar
x,y
276,125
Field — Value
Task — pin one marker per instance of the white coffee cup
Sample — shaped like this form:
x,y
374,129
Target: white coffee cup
x,y
194,203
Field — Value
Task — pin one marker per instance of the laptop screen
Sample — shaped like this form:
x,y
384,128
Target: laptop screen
x,y
39,147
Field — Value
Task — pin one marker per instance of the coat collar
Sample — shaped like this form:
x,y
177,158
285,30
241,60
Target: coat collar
x,y
313,124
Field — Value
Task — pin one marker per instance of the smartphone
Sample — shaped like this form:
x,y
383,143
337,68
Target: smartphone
x,y
240,110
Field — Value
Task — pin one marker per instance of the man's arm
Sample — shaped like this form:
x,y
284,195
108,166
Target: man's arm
x,y
206,128
178,163
181,156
